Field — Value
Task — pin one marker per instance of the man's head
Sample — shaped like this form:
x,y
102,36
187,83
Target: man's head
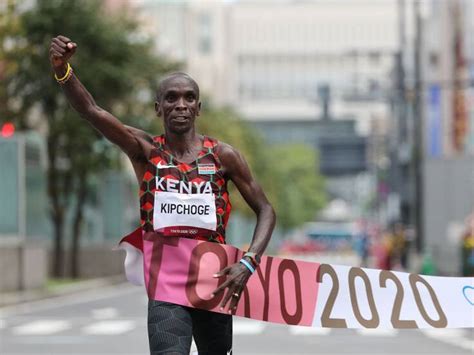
x,y
177,101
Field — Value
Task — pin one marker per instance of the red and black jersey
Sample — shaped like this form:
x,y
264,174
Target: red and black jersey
x,y
187,200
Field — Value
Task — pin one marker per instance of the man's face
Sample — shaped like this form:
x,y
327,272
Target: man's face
x,y
179,105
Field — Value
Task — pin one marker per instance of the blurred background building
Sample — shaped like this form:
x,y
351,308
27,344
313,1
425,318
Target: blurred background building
x,y
446,132
431,173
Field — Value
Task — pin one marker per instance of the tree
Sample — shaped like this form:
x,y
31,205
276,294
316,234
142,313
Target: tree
x,y
9,32
300,188
116,66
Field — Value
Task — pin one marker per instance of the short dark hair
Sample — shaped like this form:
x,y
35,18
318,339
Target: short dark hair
x,y
167,78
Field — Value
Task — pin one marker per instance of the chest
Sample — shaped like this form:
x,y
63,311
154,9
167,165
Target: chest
x,y
167,174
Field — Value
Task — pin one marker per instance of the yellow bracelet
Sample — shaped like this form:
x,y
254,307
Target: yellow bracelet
x,y
68,71
67,78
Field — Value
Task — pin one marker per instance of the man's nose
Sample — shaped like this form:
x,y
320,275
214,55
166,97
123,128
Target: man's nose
x,y
180,104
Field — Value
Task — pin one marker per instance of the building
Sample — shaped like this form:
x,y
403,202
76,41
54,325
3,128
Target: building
x,y
247,53
432,171
448,140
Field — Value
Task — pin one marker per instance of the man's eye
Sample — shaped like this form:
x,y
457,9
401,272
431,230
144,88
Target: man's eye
x,y
190,97
170,98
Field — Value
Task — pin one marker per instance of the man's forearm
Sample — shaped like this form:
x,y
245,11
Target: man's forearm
x,y
263,230
78,96
60,52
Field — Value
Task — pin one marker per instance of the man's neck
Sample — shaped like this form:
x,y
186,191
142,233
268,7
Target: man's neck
x,y
184,143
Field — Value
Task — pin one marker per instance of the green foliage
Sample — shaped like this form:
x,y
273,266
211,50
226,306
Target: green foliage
x,y
10,31
301,188
112,61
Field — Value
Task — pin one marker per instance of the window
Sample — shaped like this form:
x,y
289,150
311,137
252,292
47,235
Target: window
x,y
205,33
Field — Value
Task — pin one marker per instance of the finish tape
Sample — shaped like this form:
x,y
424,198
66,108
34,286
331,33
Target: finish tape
x,y
294,292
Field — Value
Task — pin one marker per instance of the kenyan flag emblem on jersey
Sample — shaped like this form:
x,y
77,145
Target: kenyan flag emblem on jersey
x,y
206,169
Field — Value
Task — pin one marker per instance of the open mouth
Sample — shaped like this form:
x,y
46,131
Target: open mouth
x,y
180,119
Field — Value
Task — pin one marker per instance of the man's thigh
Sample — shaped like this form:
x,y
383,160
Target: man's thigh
x,y
169,328
212,332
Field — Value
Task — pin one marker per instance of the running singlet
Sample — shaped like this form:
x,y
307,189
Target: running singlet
x,y
186,200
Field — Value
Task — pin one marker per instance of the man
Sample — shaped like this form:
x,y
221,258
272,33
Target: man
x,y
184,165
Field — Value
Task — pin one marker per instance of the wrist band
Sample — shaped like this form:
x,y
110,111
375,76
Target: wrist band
x,y
254,258
66,76
247,264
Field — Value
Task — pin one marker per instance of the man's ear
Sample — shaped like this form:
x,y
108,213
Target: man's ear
x,y
157,108
199,109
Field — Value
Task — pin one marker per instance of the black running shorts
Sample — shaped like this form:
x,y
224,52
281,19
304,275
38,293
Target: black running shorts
x,y
171,328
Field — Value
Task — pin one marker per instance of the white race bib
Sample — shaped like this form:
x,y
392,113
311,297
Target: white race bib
x,y
192,210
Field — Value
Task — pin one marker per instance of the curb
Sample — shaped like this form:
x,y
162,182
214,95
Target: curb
x,y
16,298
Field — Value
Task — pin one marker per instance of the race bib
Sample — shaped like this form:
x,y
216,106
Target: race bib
x,y
191,210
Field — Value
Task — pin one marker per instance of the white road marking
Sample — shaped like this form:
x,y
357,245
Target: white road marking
x,y
377,332
241,327
456,337
444,333
54,339
42,327
109,327
104,313
298,330
3,323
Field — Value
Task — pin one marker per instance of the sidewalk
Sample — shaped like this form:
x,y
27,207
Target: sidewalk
x,y
15,298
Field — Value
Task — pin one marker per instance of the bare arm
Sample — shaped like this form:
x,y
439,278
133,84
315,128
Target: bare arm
x,y
82,101
238,171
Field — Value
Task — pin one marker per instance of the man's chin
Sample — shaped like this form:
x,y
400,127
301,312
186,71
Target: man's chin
x,y
180,129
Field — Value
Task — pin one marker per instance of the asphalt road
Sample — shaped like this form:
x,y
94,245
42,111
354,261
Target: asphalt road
x,y
112,320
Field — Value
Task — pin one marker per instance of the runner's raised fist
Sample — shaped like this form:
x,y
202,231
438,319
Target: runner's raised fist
x,y
61,49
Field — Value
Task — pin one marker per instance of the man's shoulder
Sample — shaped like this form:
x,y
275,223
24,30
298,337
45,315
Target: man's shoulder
x,y
230,158
145,140
141,133
225,150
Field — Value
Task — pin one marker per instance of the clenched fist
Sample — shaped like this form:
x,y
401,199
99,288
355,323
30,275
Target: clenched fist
x,y
61,49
